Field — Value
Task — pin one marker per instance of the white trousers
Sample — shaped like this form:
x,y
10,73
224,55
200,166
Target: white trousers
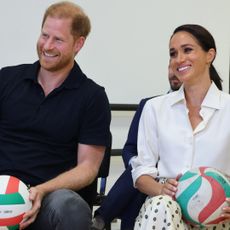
x,y
163,213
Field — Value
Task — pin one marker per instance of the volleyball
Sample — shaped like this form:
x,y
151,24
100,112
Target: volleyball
x,y
202,194
14,202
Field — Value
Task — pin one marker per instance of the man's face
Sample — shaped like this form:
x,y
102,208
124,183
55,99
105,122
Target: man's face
x,y
174,82
56,46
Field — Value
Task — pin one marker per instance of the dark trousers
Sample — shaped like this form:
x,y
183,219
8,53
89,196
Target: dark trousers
x,y
123,201
61,210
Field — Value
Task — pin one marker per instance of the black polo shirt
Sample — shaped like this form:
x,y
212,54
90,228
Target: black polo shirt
x,y
39,135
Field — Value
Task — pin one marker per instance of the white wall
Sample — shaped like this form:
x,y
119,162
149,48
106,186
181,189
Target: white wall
x,y
127,50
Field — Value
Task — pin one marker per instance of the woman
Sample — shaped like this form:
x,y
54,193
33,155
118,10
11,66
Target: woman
x,y
178,131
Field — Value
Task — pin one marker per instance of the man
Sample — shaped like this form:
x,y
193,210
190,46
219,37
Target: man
x,y
174,82
123,200
54,124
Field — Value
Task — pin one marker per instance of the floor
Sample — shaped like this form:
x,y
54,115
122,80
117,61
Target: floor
x,y
116,168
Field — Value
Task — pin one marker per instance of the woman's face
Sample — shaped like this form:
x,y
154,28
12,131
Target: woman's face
x,y
188,60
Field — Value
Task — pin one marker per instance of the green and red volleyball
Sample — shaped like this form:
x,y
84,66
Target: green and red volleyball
x,y
14,202
202,194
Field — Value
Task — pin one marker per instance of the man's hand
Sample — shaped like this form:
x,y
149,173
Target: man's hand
x,y
36,196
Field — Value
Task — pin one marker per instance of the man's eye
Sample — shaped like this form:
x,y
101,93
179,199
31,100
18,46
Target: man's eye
x,y
45,35
58,40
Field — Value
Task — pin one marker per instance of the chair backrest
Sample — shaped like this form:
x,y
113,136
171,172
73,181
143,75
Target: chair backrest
x,y
105,164
103,174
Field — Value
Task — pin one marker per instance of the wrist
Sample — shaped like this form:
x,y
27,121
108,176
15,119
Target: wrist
x,y
41,188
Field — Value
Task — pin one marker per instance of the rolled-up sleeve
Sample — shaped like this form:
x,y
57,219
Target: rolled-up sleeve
x,y
145,162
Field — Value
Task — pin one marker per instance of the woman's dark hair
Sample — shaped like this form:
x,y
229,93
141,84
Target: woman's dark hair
x,y
207,42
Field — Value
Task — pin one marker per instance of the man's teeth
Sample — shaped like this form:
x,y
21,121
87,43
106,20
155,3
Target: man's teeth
x,y
49,55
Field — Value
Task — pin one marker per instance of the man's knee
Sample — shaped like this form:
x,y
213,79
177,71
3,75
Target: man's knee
x,y
66,200
65,209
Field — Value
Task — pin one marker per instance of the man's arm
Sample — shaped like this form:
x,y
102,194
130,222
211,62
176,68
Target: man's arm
x,y
89,161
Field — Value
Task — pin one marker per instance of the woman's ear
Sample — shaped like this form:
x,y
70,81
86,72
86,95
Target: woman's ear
x,y
211,55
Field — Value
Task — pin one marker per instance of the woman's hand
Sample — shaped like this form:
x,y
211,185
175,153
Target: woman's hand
x,y
226,211
169,187
36,196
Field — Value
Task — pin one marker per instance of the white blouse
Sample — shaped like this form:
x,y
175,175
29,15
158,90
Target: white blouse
x,y
166,138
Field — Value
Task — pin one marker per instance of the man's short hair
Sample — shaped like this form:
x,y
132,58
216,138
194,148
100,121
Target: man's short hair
x,y
80,21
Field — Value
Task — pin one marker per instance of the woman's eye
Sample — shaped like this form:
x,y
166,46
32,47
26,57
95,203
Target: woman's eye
x,y
172,54
187,50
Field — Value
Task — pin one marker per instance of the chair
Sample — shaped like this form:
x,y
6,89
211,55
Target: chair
x,y
102,178
90,193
